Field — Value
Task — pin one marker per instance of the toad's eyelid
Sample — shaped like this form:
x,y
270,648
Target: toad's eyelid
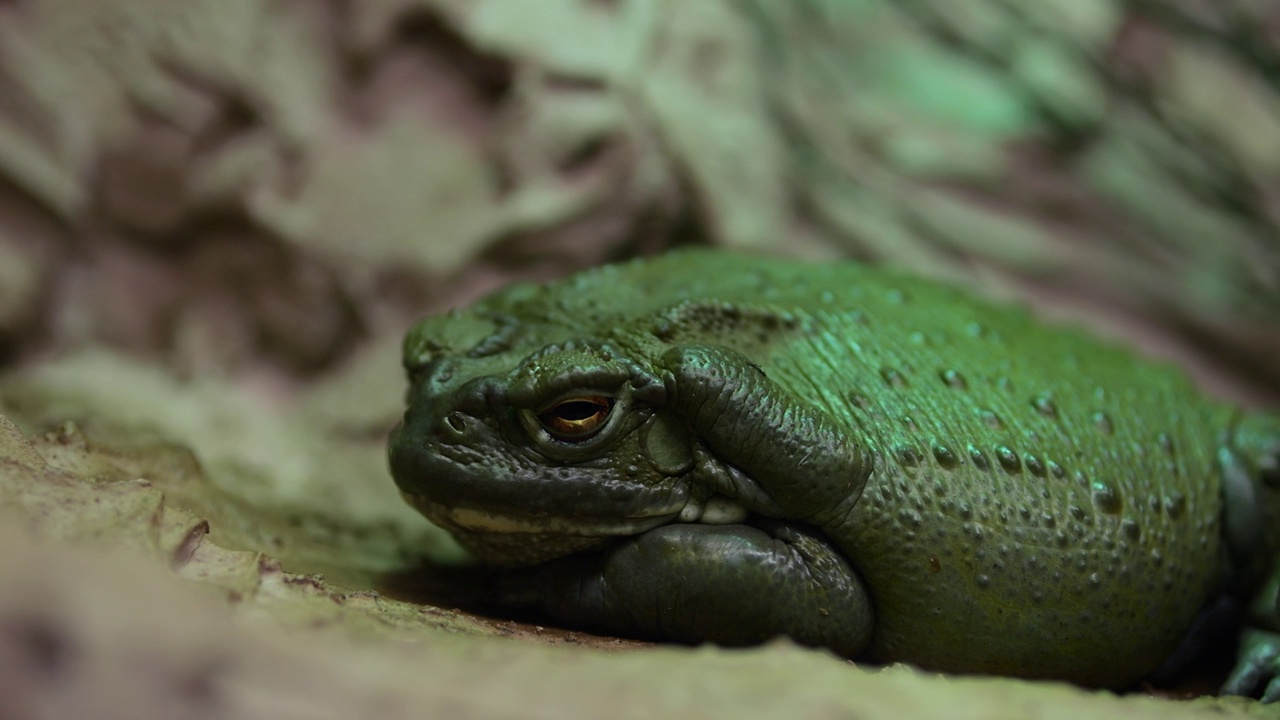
x,y
596,400
591,395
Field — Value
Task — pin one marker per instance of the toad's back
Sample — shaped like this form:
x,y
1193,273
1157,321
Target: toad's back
x,y
1033,486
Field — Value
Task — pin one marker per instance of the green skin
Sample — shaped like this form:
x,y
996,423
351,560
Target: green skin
x,y
857,459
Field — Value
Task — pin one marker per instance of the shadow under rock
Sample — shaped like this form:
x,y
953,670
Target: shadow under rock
x,y
1197,669
486,595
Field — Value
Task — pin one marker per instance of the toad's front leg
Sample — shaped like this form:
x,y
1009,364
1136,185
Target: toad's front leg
x,y
786,458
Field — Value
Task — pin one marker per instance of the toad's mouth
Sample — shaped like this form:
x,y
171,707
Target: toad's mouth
x,y
497,538
503,539
713,511
484,521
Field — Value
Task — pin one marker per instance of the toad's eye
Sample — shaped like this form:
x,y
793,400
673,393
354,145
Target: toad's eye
x,y
577,418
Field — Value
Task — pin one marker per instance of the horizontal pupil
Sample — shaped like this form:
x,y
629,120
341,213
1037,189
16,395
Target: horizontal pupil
x,y
579,410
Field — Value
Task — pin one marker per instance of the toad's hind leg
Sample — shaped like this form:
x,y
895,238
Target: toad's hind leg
x,y
1251,475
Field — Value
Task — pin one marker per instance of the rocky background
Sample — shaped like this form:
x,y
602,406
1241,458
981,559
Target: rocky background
x,y
217,218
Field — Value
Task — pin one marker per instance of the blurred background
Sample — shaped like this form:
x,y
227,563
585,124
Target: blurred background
x,y
267,188
218,217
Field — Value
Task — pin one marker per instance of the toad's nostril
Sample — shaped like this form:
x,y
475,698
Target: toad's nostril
x,y
456,422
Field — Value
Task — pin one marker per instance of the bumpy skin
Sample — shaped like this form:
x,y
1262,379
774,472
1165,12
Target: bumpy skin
x,y
857,459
